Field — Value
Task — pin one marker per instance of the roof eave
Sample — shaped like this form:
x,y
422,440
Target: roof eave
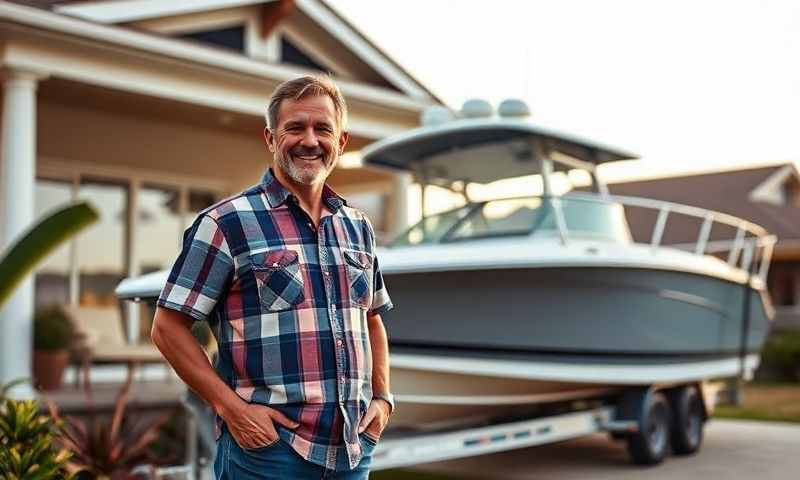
x,y
321,12
195,54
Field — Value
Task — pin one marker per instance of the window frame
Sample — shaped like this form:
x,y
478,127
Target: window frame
x,y
133,179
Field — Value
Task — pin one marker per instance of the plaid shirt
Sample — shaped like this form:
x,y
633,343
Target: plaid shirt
x,y
289,306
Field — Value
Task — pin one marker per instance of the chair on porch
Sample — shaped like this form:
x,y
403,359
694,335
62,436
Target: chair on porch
x,y
102,340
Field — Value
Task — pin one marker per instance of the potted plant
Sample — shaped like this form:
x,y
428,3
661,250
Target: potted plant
x,y
52,337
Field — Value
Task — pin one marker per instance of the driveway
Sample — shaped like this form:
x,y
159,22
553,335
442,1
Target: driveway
x,y
732,450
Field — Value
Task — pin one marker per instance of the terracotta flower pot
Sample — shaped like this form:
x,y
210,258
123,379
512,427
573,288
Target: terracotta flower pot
x,y
48,368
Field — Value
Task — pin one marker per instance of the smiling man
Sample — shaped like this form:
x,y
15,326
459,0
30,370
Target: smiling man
x,y
286,274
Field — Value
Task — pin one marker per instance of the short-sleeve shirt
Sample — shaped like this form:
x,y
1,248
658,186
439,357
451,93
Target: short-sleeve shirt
x,y
288,304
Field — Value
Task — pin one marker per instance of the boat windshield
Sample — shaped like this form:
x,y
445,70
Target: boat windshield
x,y
585,217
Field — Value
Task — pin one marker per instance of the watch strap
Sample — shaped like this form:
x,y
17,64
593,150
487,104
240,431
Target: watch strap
x,y
388,398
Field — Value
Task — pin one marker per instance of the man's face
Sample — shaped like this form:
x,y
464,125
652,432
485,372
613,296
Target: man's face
x,y
307,139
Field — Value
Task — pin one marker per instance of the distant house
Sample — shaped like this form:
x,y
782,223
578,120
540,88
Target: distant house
x,y
768,196
153,110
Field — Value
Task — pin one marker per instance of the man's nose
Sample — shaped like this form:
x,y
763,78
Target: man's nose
x,y
310,138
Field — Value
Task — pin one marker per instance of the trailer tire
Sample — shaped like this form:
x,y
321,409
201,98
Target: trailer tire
x,y
649,446
618,436
687,421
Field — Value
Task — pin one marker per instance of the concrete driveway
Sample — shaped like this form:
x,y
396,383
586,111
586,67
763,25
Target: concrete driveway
x,y
731,450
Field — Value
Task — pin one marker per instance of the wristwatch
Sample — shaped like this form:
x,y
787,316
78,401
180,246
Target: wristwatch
x,y
388,397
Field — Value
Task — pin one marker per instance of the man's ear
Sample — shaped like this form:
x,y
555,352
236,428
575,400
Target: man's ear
x,y
343,138
268,137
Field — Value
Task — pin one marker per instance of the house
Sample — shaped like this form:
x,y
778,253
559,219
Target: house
x,y
153,110
768,196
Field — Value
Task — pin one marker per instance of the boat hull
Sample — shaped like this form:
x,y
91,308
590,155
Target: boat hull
x,y
448,388
594,311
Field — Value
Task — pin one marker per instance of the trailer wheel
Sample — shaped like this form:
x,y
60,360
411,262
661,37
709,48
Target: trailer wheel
x,y
650,444
618,436
687,424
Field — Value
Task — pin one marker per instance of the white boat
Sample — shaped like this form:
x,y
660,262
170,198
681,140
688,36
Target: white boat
x,y
521,301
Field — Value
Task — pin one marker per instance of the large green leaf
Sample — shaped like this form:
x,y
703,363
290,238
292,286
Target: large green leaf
x,y
23,256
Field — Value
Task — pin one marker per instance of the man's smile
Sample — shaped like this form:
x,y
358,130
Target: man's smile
x,y
308,157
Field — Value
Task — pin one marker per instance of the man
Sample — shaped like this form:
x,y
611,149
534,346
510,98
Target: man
x,y
286,274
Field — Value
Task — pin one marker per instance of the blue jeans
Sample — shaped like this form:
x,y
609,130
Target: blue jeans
x,y
279,461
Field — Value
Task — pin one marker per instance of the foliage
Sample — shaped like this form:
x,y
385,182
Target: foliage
x,y
112,447
35,244
780,357
767,402
27,450
52,329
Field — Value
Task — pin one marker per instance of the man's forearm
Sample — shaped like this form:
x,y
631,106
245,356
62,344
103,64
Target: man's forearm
x,y
172,335
380,355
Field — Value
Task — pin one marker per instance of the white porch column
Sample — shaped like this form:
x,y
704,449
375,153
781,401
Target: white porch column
x,y
17,195
400,185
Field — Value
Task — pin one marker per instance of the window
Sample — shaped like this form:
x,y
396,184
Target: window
x,y
231,38
199,200
89,267
782,282
101,247
790,191
292,54
159,228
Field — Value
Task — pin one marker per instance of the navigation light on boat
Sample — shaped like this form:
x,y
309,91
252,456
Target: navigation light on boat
x,y
436,115
476,108
514,108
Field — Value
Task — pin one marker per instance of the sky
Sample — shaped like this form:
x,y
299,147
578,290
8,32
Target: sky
x,y
688,85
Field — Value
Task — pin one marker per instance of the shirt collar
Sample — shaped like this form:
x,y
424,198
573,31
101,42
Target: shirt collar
x,y
278,194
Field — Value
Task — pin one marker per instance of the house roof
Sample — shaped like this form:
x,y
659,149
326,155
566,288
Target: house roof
x,y
340,29
128,59
46,4
727,191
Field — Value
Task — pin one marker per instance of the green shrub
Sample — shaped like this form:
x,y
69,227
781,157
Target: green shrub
x,y
780,357
105,447
52,330
27,451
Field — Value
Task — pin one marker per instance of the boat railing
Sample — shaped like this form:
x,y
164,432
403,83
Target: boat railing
x,y
750,241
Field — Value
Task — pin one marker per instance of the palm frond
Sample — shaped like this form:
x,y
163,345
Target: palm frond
x,y
37,242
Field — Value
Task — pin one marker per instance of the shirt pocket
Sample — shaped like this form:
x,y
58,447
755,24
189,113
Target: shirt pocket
x,y
358,265
279,279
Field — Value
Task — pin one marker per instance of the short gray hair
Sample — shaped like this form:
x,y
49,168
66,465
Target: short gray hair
x,y
306,86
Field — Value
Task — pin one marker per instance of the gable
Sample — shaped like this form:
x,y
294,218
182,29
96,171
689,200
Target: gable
x,y
781,188
305,34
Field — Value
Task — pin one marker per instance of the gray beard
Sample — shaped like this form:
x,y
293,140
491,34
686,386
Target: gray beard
x,y
303,177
